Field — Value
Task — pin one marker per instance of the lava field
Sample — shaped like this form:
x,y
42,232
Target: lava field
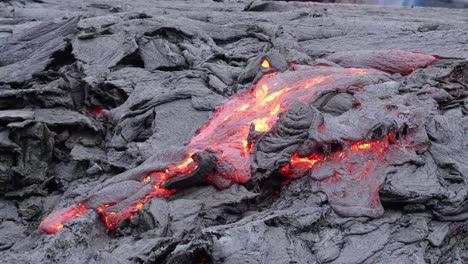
x,y
232,132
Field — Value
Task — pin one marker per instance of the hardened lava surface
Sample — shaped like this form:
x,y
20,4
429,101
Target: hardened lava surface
x,y
232,132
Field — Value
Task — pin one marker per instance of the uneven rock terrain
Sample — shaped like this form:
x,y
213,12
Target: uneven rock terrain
x,y
96,95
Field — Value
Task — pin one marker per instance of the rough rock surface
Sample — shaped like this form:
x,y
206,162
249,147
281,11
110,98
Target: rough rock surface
x,y
93,92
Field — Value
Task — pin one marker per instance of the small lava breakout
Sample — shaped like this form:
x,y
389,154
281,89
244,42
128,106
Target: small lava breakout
x,y
226,145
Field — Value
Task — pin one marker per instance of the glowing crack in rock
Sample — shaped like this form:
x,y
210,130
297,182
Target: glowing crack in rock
x,y
351,171
226,136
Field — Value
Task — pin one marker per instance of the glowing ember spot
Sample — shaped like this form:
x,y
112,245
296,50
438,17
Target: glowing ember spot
x,y
321,127
101,208
108,220
299,166
55,221
304,162
97,111
181,166
139,206
147,178
245,144
100,111
360,146
266,64
359,71
315,81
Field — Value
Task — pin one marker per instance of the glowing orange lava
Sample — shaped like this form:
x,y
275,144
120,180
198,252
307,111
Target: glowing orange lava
x,y
299,164
371,151
351,178
266,64
55,221
226,133
345,172
112,219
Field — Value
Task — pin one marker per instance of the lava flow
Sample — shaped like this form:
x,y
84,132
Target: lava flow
x,y
350,177
377,147
226,135
55,221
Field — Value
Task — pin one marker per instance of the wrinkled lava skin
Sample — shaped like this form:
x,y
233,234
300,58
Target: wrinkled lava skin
x,y
391,61
226,134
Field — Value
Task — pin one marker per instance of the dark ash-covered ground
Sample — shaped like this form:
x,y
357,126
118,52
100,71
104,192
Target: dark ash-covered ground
x,y
92,89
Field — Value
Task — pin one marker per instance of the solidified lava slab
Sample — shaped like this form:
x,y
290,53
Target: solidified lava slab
x,y
391,61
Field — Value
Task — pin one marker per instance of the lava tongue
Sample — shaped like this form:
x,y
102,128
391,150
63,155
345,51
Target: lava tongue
x,y
55,221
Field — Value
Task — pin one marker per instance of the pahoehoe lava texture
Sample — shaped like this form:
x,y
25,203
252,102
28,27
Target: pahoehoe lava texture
x,y
319,133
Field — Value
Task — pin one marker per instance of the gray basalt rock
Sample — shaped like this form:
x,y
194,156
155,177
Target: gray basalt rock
x,y
31,50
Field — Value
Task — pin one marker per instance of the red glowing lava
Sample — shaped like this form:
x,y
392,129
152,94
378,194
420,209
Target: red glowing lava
x,y
97,111
226,135
227,130
112,218
100,111
299,165
375,148
353,172
55,221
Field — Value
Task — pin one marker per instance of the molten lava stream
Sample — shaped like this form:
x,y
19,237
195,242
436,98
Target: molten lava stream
x,y
112,219
225,133
55,221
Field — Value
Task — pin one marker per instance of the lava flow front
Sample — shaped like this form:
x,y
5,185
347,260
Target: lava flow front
x,y
351,177
377,147
226,136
